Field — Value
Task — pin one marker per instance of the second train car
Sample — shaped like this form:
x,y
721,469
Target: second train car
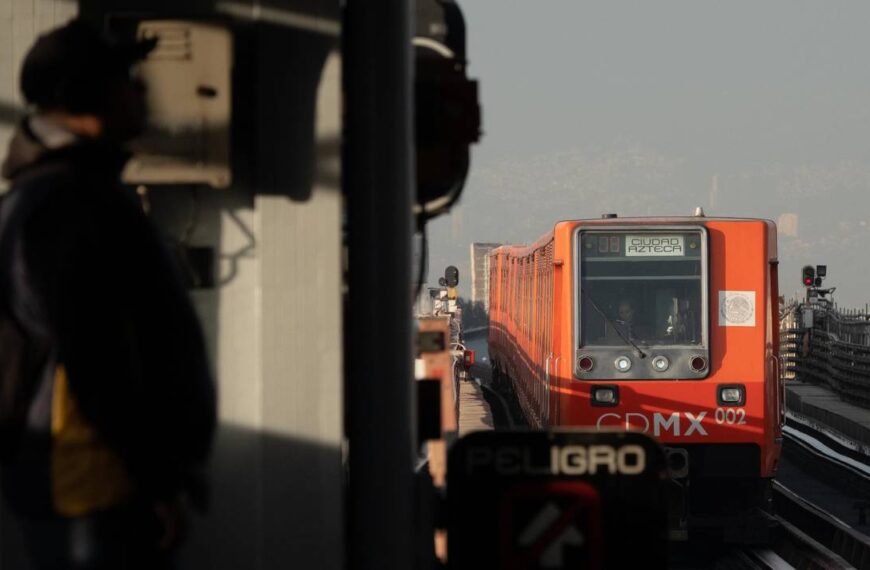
x,y
668,326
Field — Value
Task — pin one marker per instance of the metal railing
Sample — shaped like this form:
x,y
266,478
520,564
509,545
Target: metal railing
x,y
833,352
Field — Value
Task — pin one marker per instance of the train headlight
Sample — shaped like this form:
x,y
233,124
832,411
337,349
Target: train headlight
x,y
660,363
732,395
623,363
605,395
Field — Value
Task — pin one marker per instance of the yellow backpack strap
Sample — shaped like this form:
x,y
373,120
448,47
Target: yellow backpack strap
x,y
86,475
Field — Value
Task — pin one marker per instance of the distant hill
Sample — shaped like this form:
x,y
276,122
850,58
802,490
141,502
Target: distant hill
x,y
518,200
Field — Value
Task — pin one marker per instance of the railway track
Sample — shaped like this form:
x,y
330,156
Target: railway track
x,y
803,535
792,543
836,459
806,536
760,559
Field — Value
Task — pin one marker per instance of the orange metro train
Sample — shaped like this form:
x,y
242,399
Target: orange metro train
x,y
668,326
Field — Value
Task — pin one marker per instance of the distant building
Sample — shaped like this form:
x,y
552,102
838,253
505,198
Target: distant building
x,y
480,272
787,224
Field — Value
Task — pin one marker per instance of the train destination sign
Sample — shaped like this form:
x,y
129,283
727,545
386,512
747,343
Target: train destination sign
x,y
551,500
655,245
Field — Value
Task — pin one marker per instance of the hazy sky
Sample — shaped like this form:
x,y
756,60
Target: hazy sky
x,y
635,107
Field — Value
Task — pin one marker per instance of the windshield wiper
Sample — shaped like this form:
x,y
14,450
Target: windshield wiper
x,y
627,340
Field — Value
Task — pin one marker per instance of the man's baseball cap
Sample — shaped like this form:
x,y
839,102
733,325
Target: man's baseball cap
x,y
70,67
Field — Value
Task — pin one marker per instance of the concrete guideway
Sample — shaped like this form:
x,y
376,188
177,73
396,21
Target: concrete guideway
x,y
810,537
831,439
825,407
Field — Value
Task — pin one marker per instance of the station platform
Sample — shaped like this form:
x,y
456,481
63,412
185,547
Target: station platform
x,y
824,406
474,411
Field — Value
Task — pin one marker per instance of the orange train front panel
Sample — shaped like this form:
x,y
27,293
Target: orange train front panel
x,y
669,332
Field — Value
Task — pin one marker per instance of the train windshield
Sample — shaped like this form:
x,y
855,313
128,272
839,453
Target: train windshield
x,y
645,287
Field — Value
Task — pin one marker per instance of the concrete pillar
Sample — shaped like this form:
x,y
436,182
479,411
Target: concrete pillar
x,y
273,320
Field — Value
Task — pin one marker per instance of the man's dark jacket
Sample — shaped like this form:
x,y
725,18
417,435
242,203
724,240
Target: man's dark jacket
x,y
85,281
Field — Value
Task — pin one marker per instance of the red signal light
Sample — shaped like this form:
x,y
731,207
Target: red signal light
x,y
808,275
585,364
698,363
468,359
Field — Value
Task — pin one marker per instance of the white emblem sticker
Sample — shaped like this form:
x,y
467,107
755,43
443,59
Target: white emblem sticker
x,y
736,308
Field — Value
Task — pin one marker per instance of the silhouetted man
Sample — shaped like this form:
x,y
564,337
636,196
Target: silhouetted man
x,y
625,325
107,408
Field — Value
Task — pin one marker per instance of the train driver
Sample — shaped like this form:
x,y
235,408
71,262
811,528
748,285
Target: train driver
x,y
626,325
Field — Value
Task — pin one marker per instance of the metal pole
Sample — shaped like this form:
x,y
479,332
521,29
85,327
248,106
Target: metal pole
x,y
378,184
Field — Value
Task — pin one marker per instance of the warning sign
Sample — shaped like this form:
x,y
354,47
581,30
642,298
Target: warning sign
x,y
553,500
551,525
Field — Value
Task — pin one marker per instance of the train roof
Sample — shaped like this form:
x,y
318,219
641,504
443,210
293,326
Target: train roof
x,y
628,221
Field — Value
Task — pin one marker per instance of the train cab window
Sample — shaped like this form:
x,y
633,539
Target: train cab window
x,y
643,285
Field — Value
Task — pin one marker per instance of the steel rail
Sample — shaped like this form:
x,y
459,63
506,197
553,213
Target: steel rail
x,y
832,448
829,531
809,537
760,559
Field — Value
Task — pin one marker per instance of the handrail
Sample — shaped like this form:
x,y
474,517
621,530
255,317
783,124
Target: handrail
x,y
834,352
